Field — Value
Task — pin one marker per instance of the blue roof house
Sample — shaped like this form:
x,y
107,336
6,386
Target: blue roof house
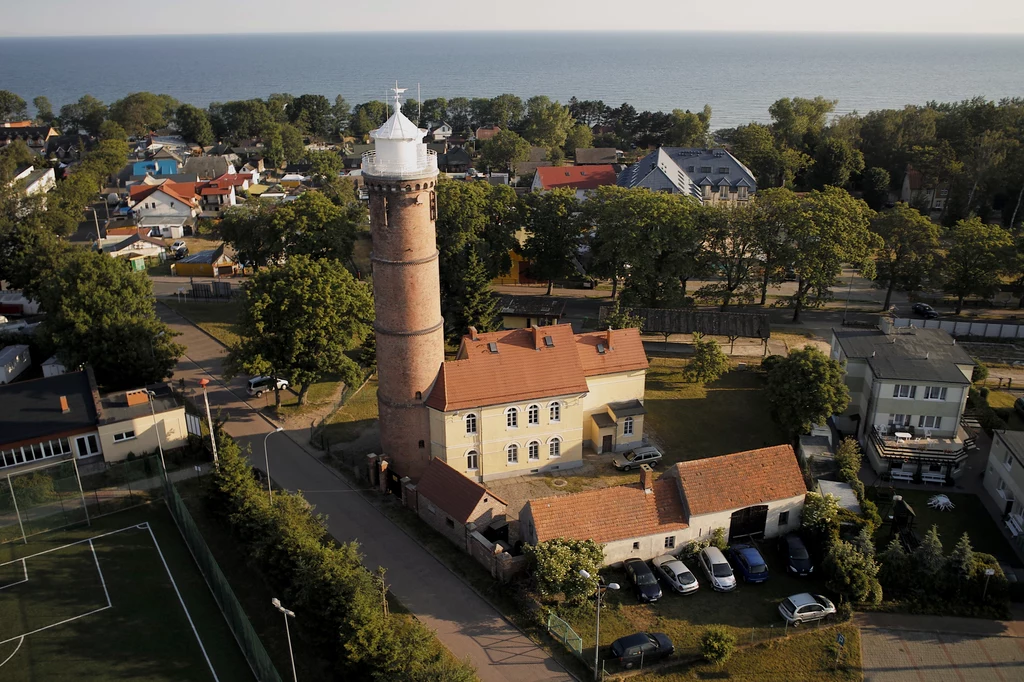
x,y
155,167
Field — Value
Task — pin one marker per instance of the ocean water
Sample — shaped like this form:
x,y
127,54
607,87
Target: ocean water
x,y
738,74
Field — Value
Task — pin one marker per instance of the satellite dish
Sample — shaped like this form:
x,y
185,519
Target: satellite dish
x,y
112,199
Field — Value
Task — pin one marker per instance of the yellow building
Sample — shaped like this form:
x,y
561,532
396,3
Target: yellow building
x,y
529,400
127,423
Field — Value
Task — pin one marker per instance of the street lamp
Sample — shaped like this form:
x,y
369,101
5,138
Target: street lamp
x,y
989,572
156,427
277,605
597,629
266,456
209,420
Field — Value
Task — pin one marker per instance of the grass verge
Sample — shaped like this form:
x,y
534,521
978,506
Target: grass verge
x,y
219,319
356,416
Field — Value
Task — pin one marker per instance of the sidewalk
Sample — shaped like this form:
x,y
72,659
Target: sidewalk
x,y
467,625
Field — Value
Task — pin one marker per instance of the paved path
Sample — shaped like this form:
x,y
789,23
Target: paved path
x,y
905,648
464,622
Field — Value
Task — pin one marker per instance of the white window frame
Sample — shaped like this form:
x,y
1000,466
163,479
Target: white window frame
x,y
554,447
898,391
627,426
122,437
904,419
512,418
935,392
670,542
471,424
472,460
533,451
723,192
555,412
936,421
512,453
533,415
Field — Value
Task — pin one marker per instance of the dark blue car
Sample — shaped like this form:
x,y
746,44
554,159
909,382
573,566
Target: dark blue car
x,y
749,563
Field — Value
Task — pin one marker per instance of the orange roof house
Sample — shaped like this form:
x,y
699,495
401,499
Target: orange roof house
x,y
579,178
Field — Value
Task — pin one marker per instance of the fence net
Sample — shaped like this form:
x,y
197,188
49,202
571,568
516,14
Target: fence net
x,y
57,496
565,634
235,616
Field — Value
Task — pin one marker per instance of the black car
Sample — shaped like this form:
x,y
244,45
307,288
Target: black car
x,y
794,551
645,584
1018,405
924,310
641,648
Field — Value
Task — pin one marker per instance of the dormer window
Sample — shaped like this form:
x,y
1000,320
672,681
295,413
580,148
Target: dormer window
x,y
724,192
742,192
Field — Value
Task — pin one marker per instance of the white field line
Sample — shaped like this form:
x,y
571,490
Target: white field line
x,y
23,580
100,571
78,542
21,641
182,601
53,625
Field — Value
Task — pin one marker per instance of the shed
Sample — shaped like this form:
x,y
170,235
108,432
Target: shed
x,y
13,361
843,492
53,367
209,263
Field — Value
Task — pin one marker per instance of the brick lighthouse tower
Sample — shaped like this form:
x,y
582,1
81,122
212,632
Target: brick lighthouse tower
x,y
400,176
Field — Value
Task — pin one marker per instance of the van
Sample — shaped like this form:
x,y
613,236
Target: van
x,y
717,568
260,385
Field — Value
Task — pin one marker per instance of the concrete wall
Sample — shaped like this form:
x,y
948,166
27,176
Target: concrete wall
x,y
173,434
1011,476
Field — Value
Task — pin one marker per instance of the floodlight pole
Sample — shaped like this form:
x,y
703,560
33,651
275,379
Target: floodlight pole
x,y
156,427
81,492
209,420
266,457
277,605
14,499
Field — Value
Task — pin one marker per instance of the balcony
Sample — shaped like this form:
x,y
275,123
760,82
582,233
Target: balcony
x,y
923,449
424,165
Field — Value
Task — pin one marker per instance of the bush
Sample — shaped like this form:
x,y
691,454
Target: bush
x,y
844,612
709,362
852,574
719,539
980,373
848,459
1003,413
984,393
557,564
769,362
717,644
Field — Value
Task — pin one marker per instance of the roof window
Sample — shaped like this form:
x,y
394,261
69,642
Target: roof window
x,y
600,348
549,342
493,347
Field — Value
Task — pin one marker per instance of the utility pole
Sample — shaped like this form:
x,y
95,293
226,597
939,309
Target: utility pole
x,y
96,221
209,420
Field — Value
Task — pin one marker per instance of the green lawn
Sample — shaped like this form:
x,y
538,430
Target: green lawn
x,y
692,421
356,416
219,319
1005,399
108,610
321,393
969,516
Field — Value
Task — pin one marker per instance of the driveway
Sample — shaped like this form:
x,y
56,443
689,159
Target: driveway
x,y
464,622
904,648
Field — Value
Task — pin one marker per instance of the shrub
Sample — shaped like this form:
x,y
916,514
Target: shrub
x,y
894,569
848,459
719,539
844,612
709,362
927,557
984,392
852,574
717,644
769,362
980,373
32,489
557,564
820,522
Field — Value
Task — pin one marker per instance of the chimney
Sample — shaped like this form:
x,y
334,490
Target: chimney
x,y
472,333
608,339
64,404
647,478
538,338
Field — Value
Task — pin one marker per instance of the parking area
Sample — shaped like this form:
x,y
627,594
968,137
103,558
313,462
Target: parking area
x,y
898,648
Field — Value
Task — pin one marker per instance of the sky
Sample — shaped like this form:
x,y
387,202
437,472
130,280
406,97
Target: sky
x,y
112,17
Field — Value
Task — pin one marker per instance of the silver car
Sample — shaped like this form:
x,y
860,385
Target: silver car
x,y
806,608
646,454
675,574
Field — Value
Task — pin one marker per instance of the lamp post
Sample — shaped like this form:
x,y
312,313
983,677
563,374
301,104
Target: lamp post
x,y
156,427
209,420
989,572
266,457
597,629
287,614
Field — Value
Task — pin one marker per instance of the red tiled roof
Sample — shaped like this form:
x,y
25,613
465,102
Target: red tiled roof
x,y
452,492
626,352
220,186
576,177
609,514
235,179
182,191
740,480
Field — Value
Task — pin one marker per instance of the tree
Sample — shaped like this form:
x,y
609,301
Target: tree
x,y
906,256
717,644
325,164
830,228
44,110
278,104
799,121
507,111
987,153
111,130
312,114
864,542
835,162
852,574
894,570
621,318
978,254
875,182
504,150
87,114
557,564
193,124
774,166
298,319
927,557
820,519
555,234
771,214
580,137
366,117
12,107
547,123
476,305
140,112
729,252
848,459
243,119
960,561
434,110
292,145
340,112
460,114
806,388
709,362
689,129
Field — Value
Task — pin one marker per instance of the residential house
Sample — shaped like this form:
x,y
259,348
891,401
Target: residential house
x,y
34,180
439,132
712,176
64,416
918,192
36,137
155,167
353,157
1004,481
217,195
528,400
133,245
454,505
538,159
596,156
455,160
14,360
168,207
754,494
68,147
209,263
167,154
518,312
486,132
908,389
580,178
293,180
208,167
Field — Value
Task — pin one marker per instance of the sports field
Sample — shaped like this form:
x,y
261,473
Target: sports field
x,y
120,600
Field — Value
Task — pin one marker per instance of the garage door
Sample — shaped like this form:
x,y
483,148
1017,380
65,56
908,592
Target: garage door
x,y
749,522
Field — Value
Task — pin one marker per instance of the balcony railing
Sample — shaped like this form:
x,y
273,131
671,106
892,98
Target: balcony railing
x,y
424,166
944,450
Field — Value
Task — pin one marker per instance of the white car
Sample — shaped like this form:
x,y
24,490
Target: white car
x,y
675,574
717,568
260,385
178,245
806,608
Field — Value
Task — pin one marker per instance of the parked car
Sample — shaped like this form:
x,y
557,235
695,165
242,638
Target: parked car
x,y
675,574
806,608
794,551
260,385
717,569
644,583
1018,405
924,310
178,245
645,454
643,647
749,563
